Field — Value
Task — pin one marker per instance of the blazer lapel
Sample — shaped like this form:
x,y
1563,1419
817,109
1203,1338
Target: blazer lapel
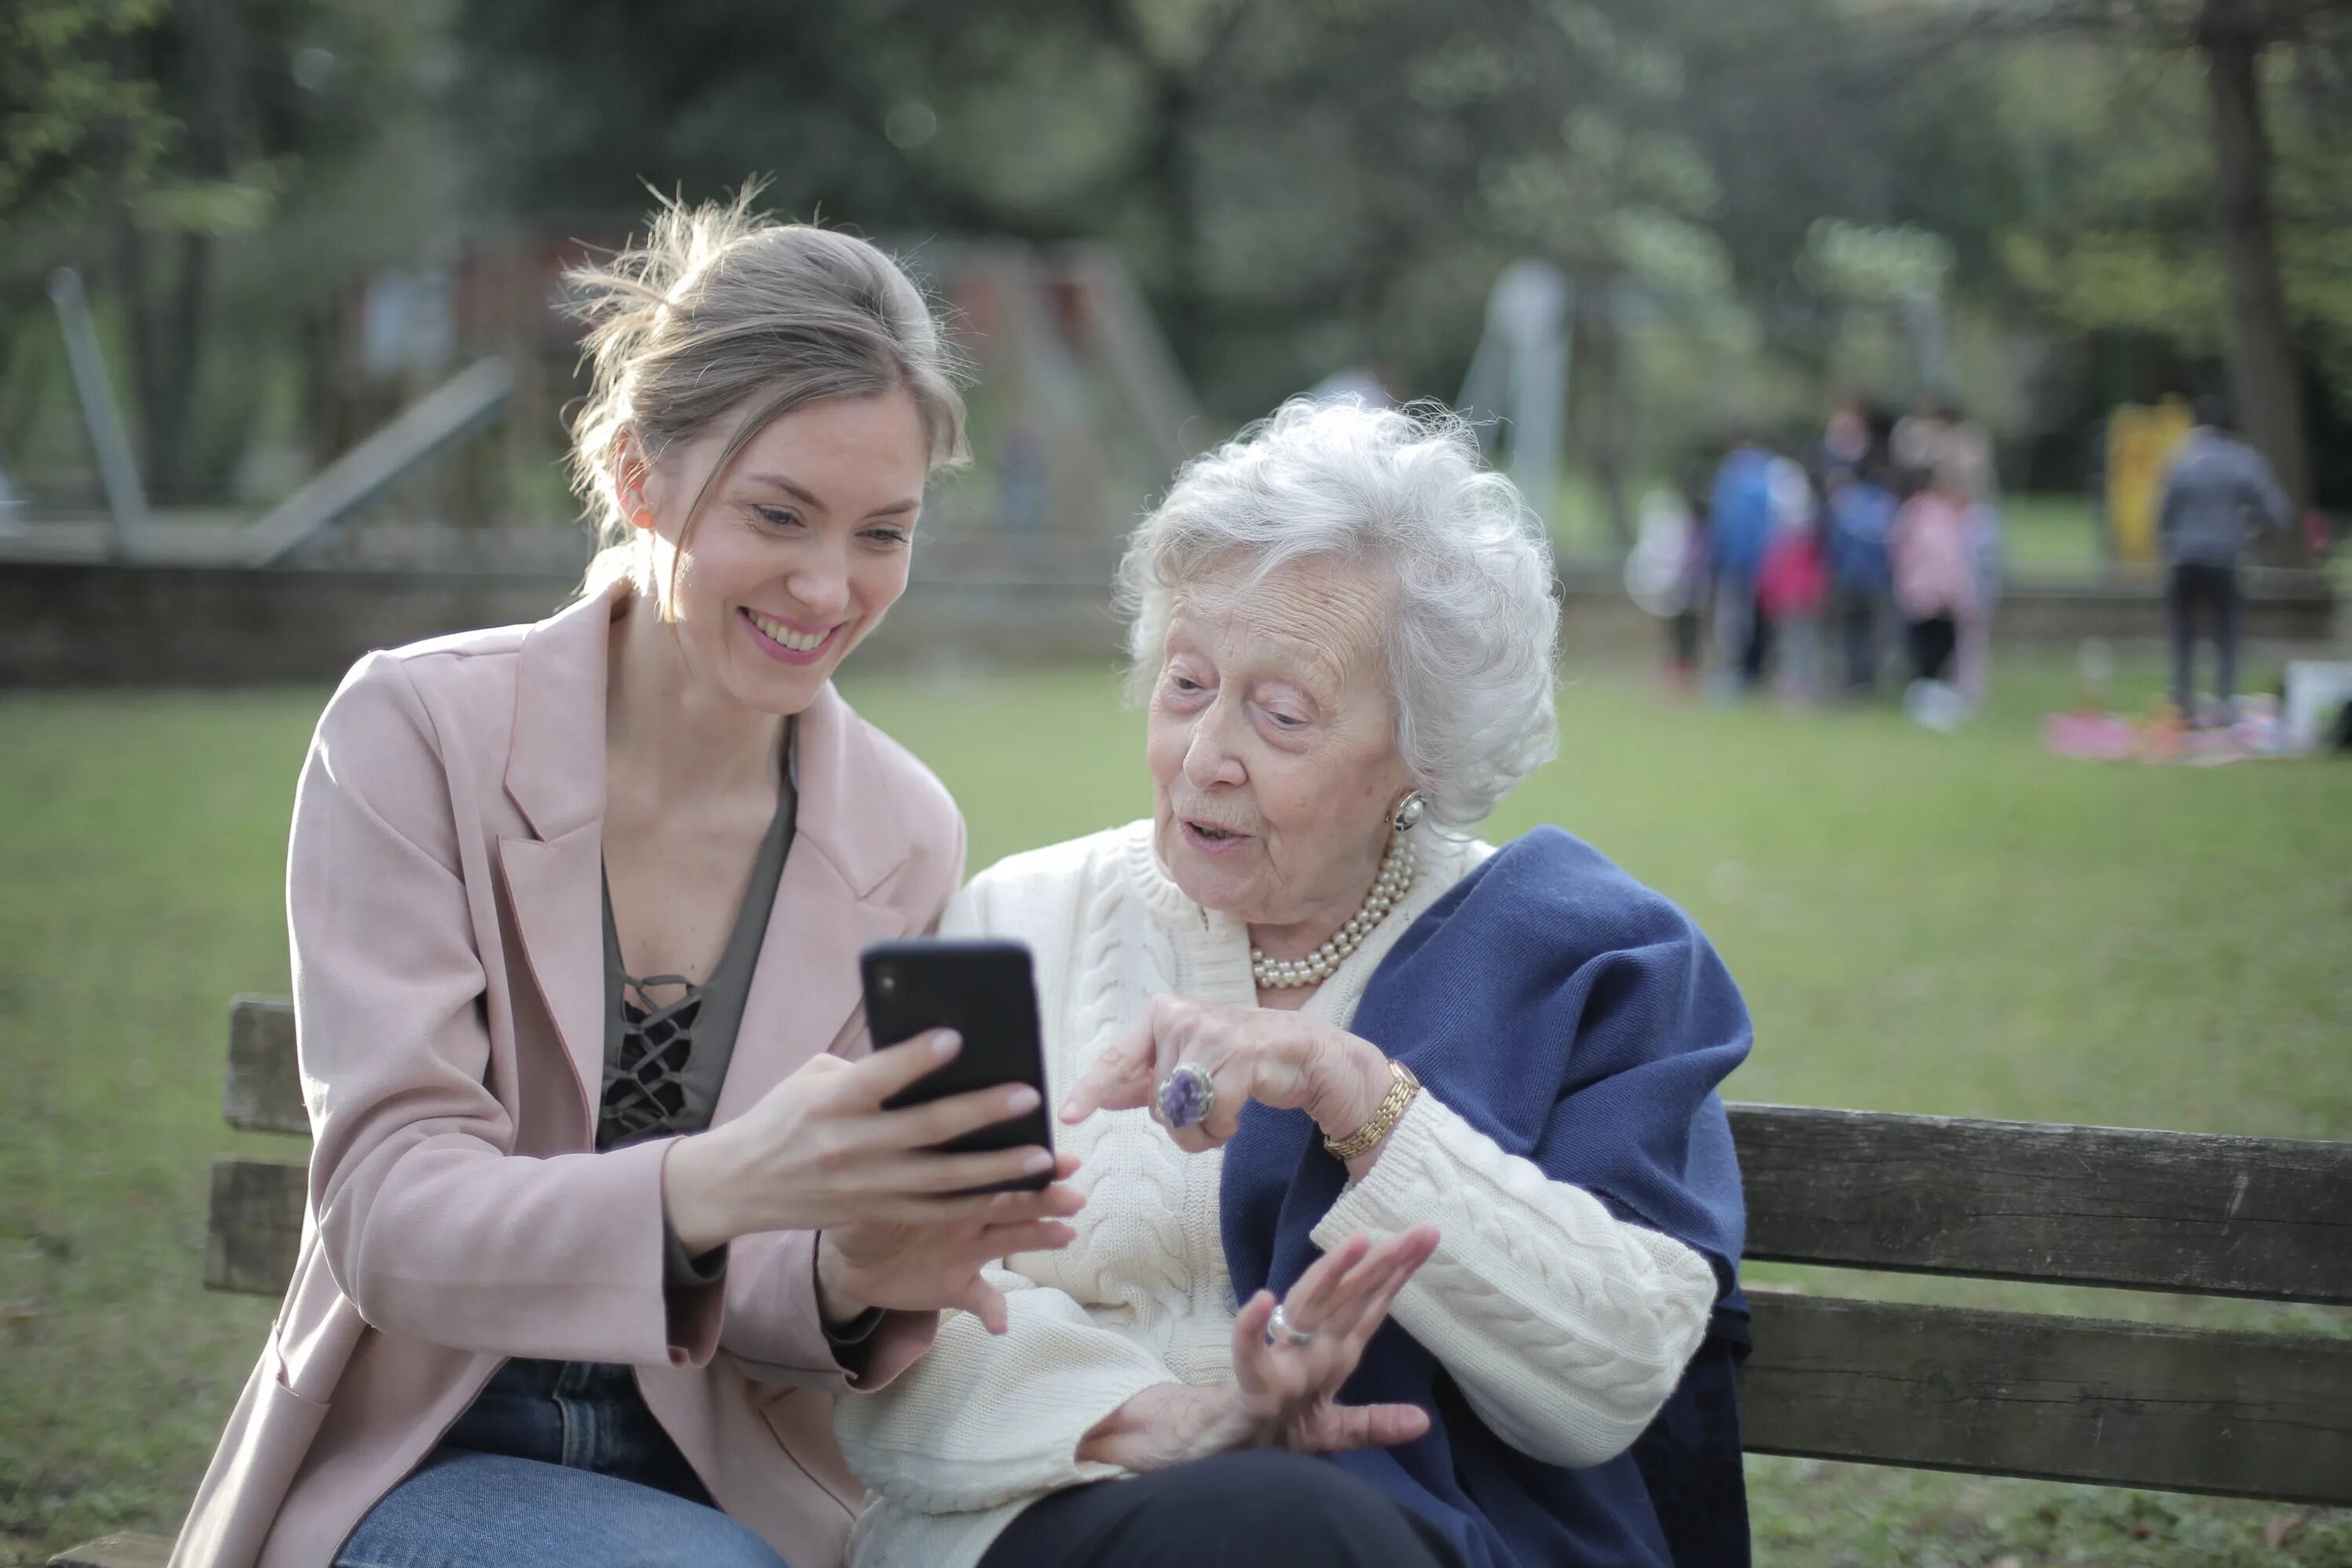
x,y
555,888
806,989
845,845
554,882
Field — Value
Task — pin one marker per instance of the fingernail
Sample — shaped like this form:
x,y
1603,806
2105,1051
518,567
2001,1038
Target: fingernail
x,y
1070,1110
1037,1163
1020,1099
947,1043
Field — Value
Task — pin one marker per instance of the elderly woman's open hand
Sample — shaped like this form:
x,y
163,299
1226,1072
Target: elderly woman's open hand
x,y
1285,1390
1287,1060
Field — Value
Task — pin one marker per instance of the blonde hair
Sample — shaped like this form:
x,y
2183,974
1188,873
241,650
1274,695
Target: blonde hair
x,y
720,309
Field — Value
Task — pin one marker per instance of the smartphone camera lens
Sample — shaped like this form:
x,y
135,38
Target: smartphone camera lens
x,y
886,982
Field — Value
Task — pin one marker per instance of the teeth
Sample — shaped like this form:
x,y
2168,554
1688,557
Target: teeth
x,y
799,642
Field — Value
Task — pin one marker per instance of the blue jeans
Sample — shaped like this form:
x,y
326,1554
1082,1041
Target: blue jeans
x,y
556,1464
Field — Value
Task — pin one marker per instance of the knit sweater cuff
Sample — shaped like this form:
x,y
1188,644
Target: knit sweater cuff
x,y
1390,1198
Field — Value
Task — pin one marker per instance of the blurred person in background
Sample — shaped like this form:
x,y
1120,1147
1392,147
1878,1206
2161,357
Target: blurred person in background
x,y
1941,444
1861,506
1739,514
1936,590
602,1210
1792,585
1686,627
1362,1101
1852,437
2219,492
1972,658
1666,572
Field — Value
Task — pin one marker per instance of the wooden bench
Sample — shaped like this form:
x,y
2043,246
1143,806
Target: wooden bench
x,y
1994,1393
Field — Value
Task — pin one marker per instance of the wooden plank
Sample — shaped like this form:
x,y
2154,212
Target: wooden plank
x,y
264,1093
2202,1213
125,1551
254,1231
2070,1399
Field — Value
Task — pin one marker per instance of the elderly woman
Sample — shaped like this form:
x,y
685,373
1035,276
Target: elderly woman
x,y
1410,1197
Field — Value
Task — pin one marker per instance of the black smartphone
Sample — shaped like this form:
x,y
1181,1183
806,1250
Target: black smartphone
x,y
985,991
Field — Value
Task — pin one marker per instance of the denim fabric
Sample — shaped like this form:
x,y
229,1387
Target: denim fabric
x,y
556,1464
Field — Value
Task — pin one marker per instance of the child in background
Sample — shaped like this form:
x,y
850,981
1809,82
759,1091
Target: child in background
x,y
1933,553
1738,529
1792,587
1683,628
1665,574
1861,572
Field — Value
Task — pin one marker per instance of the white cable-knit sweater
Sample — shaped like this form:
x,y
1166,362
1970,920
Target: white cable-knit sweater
x,y
1566,1328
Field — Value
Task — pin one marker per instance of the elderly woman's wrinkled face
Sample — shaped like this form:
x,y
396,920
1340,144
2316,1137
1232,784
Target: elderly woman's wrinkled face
x,y
1272,745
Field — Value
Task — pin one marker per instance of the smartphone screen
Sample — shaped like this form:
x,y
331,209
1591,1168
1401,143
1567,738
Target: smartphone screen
x,y
985,991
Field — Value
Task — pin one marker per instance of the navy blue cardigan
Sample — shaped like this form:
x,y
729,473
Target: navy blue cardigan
x,y
1581,1020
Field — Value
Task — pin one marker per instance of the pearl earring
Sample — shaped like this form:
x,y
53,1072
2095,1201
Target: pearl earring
x,y
1407,815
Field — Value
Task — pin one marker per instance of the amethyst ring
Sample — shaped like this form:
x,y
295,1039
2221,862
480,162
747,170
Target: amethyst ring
x,y
1187,1096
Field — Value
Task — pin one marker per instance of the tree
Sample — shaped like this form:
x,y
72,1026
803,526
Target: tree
x,y
2241,49
152,143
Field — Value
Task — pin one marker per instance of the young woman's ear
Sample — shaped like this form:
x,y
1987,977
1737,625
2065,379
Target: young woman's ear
x,y
632,477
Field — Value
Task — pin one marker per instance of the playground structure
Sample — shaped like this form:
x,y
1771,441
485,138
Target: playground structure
x,y
1079,413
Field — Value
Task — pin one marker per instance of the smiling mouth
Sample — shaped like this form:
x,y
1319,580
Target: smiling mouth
x,y
786,636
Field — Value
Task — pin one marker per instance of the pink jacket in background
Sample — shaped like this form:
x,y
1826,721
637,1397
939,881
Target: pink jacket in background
x,y
1933,548
444,896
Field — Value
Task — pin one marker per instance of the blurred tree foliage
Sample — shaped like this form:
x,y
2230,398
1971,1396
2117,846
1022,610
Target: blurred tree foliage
x,y
1298,185
181,151
2119,236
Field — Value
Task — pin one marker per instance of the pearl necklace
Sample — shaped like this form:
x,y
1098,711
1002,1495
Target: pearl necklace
x,y
1282,973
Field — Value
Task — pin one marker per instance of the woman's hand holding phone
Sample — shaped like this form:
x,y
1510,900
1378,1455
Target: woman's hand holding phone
x,y
820,1152
918,1267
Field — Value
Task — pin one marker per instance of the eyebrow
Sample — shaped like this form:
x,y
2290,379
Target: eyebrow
x,y
808,497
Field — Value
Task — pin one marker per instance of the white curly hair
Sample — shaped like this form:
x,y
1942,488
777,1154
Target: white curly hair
x,y
1470,646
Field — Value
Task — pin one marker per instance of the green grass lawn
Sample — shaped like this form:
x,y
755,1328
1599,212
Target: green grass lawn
x,y
1922,922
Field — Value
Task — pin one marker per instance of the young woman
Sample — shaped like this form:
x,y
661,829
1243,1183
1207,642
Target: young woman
x,y
604,1205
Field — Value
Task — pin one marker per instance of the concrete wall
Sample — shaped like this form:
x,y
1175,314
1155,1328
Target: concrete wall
x,y
82,625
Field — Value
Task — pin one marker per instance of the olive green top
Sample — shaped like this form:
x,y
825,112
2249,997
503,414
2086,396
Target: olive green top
x,y
668,1040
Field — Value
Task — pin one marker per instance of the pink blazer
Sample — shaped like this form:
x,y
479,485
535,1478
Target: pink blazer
x,y
443,893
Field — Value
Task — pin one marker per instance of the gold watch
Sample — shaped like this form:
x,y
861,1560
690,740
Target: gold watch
x,y
1403,1086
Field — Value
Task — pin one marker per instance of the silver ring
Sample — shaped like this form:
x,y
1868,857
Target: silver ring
x,y
1280,1332
1187,1097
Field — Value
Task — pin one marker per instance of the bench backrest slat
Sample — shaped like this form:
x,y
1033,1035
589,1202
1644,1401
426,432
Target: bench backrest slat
x,y
255,1233
264,1093
2209,1215
2024,1393
1996,1392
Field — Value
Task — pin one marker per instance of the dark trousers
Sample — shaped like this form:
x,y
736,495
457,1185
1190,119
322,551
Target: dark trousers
x,y
1933,642
1258,1506
2200,592
1857,621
